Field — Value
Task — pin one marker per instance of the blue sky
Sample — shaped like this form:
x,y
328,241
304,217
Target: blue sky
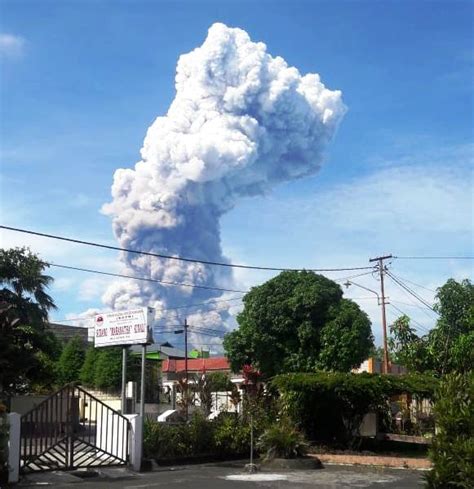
x,y
81,81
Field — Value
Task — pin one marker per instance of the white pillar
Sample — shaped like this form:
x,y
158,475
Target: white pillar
x,y
136,441
14,421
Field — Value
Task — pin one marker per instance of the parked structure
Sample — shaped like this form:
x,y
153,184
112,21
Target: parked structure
x,y
65,332
374,366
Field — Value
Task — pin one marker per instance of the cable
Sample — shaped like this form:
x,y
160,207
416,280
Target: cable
x,y
414,320
411,292
414,283
434,257
353,276
410,304
177,258
144,279
164,309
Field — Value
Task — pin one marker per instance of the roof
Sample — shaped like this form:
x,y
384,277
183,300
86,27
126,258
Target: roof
x,y
65,332
196,365
160,352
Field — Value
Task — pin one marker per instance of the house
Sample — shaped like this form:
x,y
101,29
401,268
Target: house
x,y
174,370
65,332
160,351
374,366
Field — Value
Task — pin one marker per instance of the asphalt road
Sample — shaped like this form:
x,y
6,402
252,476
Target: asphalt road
x,y
232,476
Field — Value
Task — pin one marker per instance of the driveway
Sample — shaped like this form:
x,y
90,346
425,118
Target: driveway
x,y
232,475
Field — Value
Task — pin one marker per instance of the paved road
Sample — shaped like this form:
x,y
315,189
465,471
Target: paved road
x,y
232,476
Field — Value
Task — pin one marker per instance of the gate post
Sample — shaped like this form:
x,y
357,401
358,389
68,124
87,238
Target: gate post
x,y
136,441
14,421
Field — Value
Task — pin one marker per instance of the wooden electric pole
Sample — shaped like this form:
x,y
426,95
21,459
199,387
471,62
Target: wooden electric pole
x,y
381,266
186,365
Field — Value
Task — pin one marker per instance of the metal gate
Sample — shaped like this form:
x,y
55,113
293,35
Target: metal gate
x,y
72,429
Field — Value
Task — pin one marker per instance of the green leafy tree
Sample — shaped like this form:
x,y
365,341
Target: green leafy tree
x,y
71,361
452,451
28,350
87,372
108,370
298,321
449,346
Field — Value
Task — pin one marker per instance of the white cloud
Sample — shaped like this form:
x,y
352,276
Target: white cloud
x,y
11,46
416,205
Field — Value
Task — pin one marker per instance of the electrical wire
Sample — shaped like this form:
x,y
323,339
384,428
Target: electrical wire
x,y
414,283
414,320
412,292
144,279
177,258
99,272
434,257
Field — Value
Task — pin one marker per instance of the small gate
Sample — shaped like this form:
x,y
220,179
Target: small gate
x,y
72,429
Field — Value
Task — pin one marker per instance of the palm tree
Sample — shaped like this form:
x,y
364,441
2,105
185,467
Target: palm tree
x,y
27,348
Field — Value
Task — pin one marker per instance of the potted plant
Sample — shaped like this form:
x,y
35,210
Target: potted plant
x,y
283,446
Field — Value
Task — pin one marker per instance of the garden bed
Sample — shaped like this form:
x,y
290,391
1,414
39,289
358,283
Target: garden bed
x,y
374,460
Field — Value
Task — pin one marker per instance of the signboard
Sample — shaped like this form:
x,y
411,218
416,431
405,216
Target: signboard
x,y
124,327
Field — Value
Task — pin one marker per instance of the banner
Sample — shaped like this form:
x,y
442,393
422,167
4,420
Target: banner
x,y
132,327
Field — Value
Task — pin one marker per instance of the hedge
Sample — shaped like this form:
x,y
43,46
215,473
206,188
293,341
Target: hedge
x,y
329,407
452,451
219,438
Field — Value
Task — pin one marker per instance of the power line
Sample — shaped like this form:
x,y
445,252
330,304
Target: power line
x,y
165,309
144,279
414,320
410,304
412,292
414,283
177,284
434,257
176,258
422,309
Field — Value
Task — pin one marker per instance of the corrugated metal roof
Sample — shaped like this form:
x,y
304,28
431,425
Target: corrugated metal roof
x,y
196,364
164,350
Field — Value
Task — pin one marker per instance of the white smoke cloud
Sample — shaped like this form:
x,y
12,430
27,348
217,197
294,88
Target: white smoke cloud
x,y
242,121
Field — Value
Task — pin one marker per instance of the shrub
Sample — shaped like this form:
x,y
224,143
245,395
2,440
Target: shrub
x,y
226,435
282,440
329,407
108,368
87,373
452,451
231,436
71,360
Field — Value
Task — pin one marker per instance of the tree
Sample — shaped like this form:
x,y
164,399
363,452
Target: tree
x,y
452,450
87,373
108,370
27,349
71,361
298,321
449,346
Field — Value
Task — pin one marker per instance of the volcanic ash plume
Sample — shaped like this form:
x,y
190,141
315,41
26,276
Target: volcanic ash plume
x,y
242,121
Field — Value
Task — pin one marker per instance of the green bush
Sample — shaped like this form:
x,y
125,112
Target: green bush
x,y
87,373
329,407
70,362
108,368
282,440
452,451
231,435
226,435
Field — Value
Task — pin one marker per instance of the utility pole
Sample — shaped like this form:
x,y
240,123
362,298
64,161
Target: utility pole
x,y
186,363
381,266
124,379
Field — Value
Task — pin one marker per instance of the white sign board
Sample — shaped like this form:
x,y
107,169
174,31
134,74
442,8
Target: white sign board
x,y
124,327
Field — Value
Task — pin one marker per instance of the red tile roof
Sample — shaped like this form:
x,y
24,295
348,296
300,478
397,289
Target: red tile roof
x,y
196,365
